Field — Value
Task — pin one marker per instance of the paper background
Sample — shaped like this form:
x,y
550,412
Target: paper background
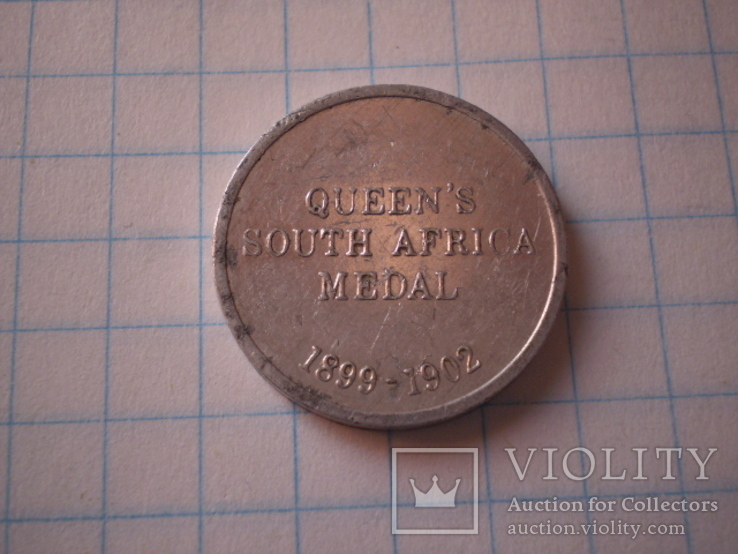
x,y
129,419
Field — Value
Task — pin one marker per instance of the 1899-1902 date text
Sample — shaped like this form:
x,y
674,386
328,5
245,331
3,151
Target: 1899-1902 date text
x,y
424,377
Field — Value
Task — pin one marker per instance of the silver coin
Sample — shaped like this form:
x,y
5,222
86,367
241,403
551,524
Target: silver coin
x,y
389,256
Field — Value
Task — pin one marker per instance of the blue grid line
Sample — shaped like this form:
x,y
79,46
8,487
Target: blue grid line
x,y
370,40
287,70
718,92
201,296
223,324
654,264
242,152
489,404
349,507
457,70
639,398
647,217
104,239
295,411
488,478
659,305
577,415
109,284
139,419
114,327
482,415
363,67
634,135
202,237
16,289
106,155
372,80
390,445
31,1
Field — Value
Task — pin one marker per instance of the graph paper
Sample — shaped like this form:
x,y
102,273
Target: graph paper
x,y
131,422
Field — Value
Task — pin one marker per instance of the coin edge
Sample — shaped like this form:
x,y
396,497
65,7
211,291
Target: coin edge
x,y
311,398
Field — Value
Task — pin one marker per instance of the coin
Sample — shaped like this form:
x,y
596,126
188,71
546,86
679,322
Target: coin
x,y
389,256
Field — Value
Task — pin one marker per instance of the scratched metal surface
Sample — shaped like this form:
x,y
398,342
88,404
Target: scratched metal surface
x,y
130,420
416,321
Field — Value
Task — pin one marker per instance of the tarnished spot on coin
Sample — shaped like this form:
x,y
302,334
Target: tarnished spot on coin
x,y
389,256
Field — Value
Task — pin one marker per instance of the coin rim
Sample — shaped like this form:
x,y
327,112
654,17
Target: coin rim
x,y
313,399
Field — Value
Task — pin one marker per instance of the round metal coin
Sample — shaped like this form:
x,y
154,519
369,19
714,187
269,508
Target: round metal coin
x,y
389,256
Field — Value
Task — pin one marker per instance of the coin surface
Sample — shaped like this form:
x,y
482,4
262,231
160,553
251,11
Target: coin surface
x,y
389,256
